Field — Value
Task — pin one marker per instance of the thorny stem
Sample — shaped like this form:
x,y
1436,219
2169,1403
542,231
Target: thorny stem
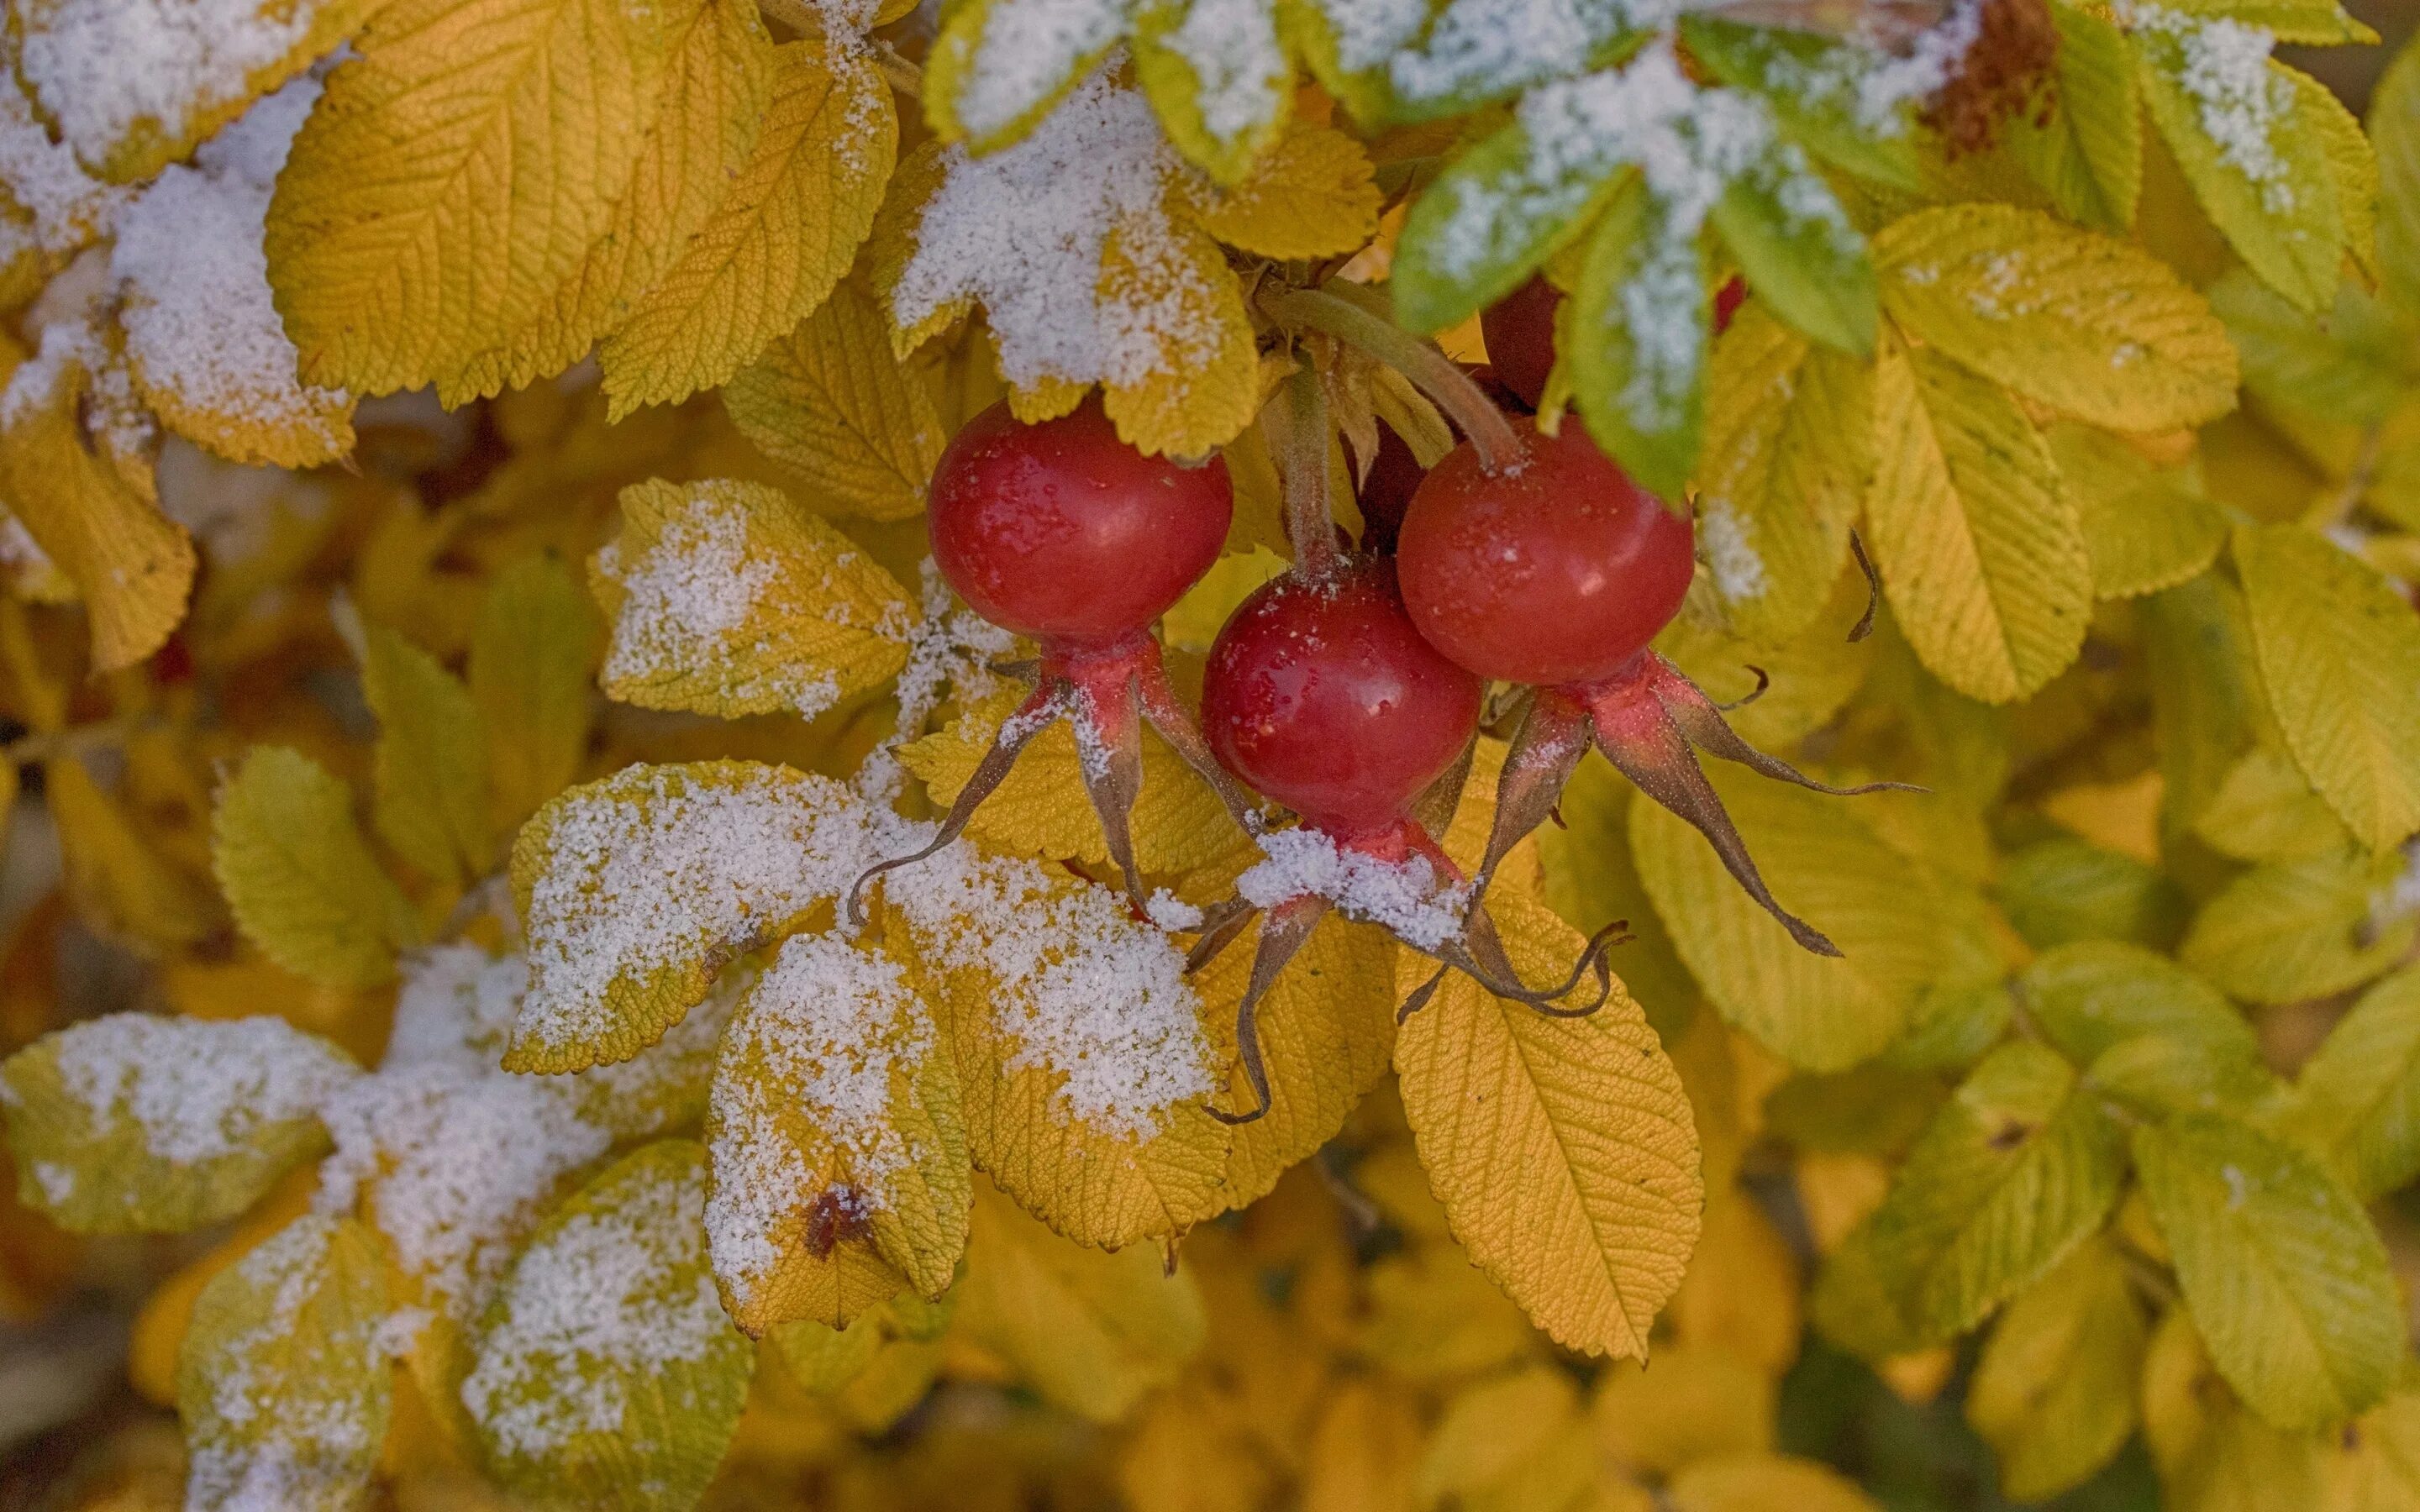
x,y
1300,439
1332,312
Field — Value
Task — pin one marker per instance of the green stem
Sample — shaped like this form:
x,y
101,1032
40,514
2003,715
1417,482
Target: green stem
x,y
1300,442
1332,313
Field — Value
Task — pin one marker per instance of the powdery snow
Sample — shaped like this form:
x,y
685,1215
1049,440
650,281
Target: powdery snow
x,y
199,1089
1239,68
2225,69
100,67
688,597
1738,571
69,207
950,652
1022,231
608,1300
1029,48
1406,897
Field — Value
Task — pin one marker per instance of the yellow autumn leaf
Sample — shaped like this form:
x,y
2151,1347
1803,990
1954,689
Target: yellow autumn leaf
x,y
784,233
834,1115
636,891
66,51
1980,548
1088,1331
728,598
1515,1440
432,759
1327,1034
1789,448
138,1123
831,404
282,1381
1362,1450
2054,1391
2214,1454
606,1373
2265,809
532,665
1762,1482
2339,652
299,876
1311,195
1178,823
1741,1296
2295,930
1096,1118
718,82
2145,527
132,565
1825,864
120,883
1202,388
1563,1148
490,139
2085,324
1692,1405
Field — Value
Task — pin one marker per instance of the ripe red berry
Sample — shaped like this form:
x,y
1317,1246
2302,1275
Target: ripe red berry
x,y
1728,299
1394,475
1064,532
1320,694
1519,330
1556,572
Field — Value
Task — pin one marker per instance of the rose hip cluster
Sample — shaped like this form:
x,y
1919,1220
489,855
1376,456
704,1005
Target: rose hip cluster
x,y
1350,689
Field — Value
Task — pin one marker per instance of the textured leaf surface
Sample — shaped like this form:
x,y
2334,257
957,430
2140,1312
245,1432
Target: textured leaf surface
x,y
1980,548
2089,155
533,658
2145,528
432,759
2286,1278
300,877
2300,928
1312,194
2340,656
2054,1391
2358,1096
1563,1148
832,405
606,1372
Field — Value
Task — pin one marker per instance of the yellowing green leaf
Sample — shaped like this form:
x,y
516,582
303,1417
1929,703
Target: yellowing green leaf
x,y
281,1382
1692,1405
127,130
834,1116
2377,1467
2348,362
2358,1096
1327,1034
489,139
2267,810
2301,929
2395,132
1980,548
2340,656
1178,823
1818,1012
2018,1167
2206,699
134,1123
1218,78
1789,449
2062,888
636,891
1517,1441
1202,391
1091,1332
2269,186
981,87
785,232
728,598
832,405
300,877
2089,154
2145,528
2089,997
1312,194
432,759
719,79
1644,404
120,883
2085,324
2283,1275
2054,1392
1563,1148
2214,1454
606,1373
1756,1483
532,654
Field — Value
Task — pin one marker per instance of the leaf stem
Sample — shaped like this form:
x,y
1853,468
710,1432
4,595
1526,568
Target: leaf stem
x,y
1299,438
1334,312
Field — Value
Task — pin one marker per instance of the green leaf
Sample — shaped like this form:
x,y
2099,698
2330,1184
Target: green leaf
x,y
2315,22
1789,450
605,1373
281,1380
1799,253
298,875
1218,78
532,674
2089,155
432,759
2206,700
2063,889
1480,230
2267,810
2054,1391
1980,549
2300,930
2358,1096
2283,1275
2395,132
2018,1167
2145,527
1818,1012
1633,335
2340,654
2089,997
1809,83
136,1123
2269,187
2351,365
